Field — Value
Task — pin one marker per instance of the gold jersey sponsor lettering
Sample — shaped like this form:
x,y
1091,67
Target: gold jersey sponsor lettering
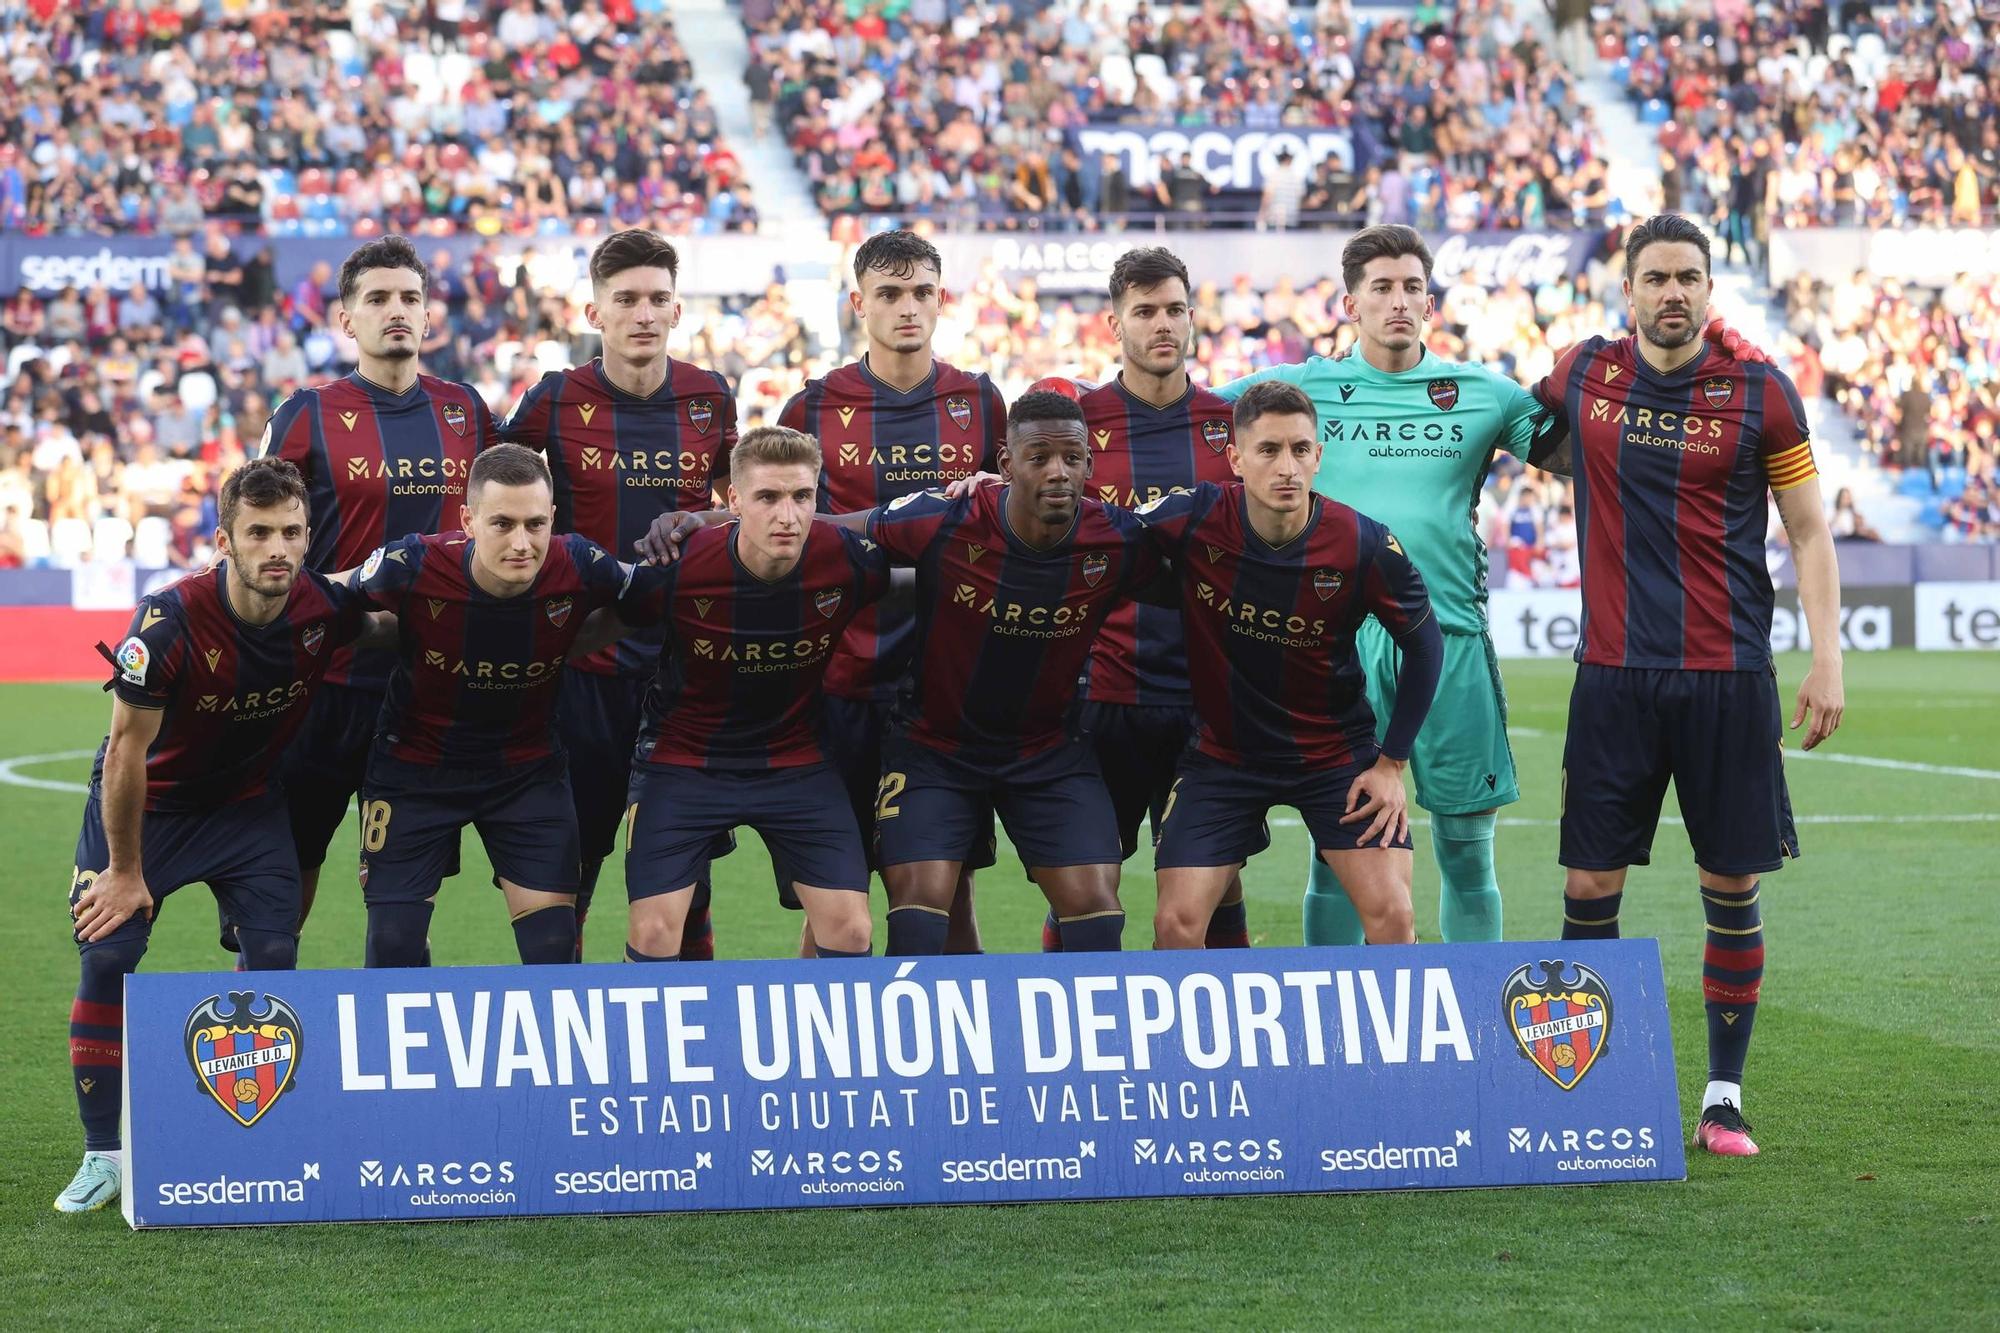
x,y
1241,612
1692,426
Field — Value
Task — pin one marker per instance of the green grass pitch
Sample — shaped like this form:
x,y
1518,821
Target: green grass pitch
x,y
1874,1085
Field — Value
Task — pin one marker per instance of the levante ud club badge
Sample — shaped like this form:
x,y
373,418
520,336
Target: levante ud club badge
x,y
1217,435
960,412
1717,390
242,1057
1444,394
1561,1018
700,413
454,417
1094,567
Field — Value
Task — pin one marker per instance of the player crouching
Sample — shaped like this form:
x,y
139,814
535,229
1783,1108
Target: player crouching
x,y
467,735
754,609
213,682
1275,580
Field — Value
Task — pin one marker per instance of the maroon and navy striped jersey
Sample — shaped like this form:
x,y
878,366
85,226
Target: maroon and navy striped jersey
x,y
1138,454
1002,628
234,693
620,461
378,467
739,678
477,679
1270,630
1671,471
881,444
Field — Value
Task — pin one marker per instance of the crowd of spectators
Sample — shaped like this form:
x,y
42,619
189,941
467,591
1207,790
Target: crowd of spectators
x,y
916,108
1795,114
1917,370
293,116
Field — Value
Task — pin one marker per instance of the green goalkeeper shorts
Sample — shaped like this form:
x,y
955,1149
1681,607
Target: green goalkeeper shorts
x,y
1462,762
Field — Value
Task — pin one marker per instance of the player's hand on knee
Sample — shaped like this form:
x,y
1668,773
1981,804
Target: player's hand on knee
x,y
1823,698
965,486
113,898
1377,796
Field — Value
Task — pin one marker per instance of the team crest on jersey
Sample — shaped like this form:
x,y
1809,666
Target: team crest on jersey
x,y
1444,394
1094,567
244,1058
348,419
558,611
1560,1023
1718,390
1327,582
312,639
435,606
454,417
827,602
1217,435
371,564
701,414
211,656
132,658
959,411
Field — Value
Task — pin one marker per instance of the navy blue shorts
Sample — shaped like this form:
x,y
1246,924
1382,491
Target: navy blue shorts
x,y
931,807
852,732
1719,735
1216,812
1139,748
325,764
800,813
242,851
411,816
598,718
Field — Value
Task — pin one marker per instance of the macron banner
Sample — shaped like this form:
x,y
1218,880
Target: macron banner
x,y
347,1096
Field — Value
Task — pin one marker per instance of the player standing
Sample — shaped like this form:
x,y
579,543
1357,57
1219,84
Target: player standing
x,y
385,451
754,610
896,422
213,681
487,617
1276,582
1677,445
1152,432
629,436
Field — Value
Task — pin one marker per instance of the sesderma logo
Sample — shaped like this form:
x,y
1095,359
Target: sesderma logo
x,y
1382,1156
1004,1168
228,1190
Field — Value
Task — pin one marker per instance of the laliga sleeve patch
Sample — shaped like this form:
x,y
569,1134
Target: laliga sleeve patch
x,y
132,660
373,563
902,500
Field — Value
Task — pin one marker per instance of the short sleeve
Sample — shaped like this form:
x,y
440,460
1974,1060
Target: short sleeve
x,y
1787,444
1521,416
1392,590
647,592
1550,390
1168,519
288,434
386,577
869,562
906,525
148,661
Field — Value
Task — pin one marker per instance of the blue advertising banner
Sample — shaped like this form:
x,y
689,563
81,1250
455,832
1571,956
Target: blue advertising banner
x,y
509,1091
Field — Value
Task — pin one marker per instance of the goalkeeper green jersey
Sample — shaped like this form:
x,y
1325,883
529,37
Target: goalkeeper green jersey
x,y
1410,450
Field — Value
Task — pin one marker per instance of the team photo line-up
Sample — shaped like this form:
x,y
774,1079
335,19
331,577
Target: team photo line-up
x,y
909,608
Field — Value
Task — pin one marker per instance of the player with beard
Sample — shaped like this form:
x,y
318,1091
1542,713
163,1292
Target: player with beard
x,y
385,452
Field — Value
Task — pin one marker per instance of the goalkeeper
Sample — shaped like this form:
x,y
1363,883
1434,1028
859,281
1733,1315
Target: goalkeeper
x,y
1408,441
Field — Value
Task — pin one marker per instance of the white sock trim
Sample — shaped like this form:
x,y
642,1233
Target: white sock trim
x,y
1717,1093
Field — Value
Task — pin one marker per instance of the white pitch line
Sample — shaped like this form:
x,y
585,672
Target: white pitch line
x,y
14,779
1901,765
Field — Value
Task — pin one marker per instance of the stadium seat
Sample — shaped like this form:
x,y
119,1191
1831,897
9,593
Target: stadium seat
x,y
70,542
1915,481
110,537
152,543
1951,483
1654,112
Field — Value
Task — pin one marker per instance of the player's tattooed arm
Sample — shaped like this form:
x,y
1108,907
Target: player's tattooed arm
x,y
119,892
662,543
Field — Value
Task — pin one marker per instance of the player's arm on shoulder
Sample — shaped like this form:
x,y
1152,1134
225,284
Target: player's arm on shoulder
x,y
119,892
662,543
906,526
1167,519
1551,448
385,577
353,622
1794,480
